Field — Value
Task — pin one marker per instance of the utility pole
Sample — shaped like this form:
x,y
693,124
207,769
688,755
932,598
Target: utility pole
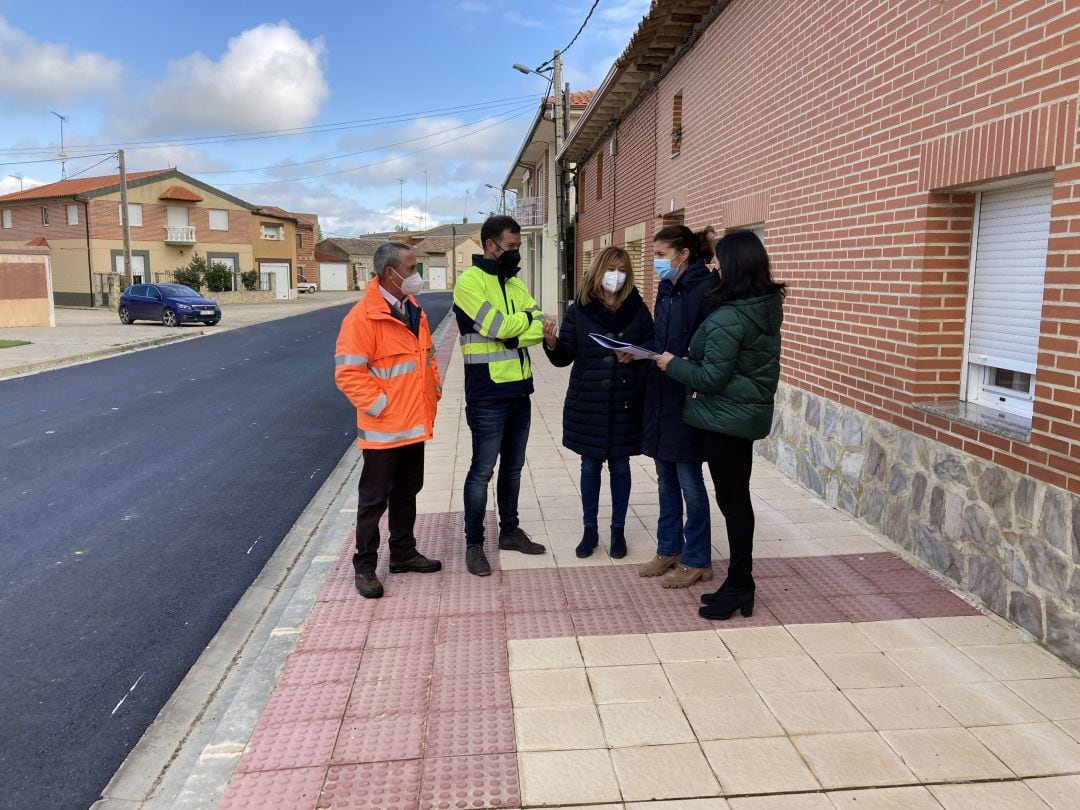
x,y
401,203
62,155
125,222
18,176
465,210
558,119
426,224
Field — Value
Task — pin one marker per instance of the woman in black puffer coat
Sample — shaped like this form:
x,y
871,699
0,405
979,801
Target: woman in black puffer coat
x,y
602,415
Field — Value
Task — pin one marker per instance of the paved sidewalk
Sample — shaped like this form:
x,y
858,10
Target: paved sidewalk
x,y
859,682
88,334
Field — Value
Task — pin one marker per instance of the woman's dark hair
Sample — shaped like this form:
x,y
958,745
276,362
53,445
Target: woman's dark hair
x,y
744,269
682,238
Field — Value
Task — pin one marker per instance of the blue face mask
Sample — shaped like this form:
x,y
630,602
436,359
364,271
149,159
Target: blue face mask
x,y
663,268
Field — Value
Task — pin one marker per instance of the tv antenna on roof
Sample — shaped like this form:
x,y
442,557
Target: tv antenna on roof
x,y
62,155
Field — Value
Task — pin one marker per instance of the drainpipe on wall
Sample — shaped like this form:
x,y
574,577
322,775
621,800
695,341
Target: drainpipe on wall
x,y
89,253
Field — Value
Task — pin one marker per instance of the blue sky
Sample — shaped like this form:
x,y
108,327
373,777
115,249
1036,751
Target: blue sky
x,y
144,75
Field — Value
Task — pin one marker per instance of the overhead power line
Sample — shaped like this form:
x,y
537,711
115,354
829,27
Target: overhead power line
x,y
578,34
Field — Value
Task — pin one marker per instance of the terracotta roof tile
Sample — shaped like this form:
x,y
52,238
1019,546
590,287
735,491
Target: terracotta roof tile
x,y
579,98
38,241
274,211
180,194
329,257
78,185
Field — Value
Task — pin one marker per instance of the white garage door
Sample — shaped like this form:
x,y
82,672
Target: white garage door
x,y
332,276
436,278
281,276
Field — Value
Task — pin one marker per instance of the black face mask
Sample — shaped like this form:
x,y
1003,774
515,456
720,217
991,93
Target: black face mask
x,y
509,261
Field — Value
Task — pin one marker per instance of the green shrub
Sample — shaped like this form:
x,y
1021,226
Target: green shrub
x,y
250,279
192,273
219,278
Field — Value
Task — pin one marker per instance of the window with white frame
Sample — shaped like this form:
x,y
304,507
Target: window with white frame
x,y
73,215
273,233
45,216
1005,297
134,214
6,217
219,219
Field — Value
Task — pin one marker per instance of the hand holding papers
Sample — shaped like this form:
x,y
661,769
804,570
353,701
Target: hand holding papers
x,y
619,346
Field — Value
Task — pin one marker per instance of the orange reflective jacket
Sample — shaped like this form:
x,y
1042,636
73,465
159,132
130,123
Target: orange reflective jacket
x,y
388,373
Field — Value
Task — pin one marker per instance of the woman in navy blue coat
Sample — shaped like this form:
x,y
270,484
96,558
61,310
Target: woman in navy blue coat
x,y
683,546
602,415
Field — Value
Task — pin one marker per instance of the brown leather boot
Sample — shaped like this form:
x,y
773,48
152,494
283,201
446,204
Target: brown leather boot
x,y
683,576
657,565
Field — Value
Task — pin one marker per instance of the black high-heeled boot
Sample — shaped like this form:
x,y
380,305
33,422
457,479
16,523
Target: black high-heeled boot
x,y
727,601
618,543
590,539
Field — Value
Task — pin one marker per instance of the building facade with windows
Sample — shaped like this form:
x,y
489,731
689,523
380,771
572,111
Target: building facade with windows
x,y
171,216
914,169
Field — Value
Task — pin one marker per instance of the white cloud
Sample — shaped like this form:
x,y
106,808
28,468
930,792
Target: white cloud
x,y
9,185
268,78
46,73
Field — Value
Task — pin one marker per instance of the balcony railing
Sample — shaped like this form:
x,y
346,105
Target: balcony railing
x,y
179,234
529,212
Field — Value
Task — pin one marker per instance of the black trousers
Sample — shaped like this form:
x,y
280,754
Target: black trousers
x,y
389,478
730,459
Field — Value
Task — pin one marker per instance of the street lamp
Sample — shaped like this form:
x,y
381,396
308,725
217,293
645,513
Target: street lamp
x,y
520,68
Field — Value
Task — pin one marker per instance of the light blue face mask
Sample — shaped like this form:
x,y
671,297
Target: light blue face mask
x,y
663,268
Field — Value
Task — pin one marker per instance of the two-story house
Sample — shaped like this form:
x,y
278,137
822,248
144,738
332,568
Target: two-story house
x,y
171,216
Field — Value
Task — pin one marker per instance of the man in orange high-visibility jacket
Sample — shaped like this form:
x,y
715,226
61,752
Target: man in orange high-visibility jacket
x,y
385,364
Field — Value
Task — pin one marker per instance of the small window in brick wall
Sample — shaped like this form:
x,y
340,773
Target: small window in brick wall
x,y
599,175
676,124
73,215
45,217
6,218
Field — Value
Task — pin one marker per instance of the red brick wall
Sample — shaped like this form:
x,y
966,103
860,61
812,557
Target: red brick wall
x,y
305,254
848,123
105,223
26,221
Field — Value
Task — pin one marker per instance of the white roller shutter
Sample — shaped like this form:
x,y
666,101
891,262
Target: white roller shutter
x,y
1010,263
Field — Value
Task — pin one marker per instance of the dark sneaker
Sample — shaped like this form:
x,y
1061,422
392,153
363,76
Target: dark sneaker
x,y
517,540
418,564
476,561
368,585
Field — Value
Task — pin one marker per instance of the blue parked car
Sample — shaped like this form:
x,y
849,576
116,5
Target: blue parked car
x,y
172,304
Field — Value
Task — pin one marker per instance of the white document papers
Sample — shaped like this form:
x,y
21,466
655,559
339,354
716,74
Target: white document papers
x,y
636,352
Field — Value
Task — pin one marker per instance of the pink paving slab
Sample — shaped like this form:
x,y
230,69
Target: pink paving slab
x,y
467,628
326,637
413,633
470,782
384,698
471,656
295,788
379,739
488,690
488,731
311,669
548,624
293,704
372,786
290,745
869,607
395,662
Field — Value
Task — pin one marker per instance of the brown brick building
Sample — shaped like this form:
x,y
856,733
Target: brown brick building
x,y
914,169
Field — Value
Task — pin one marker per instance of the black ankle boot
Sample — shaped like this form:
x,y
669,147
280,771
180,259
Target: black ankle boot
x,y
618,543
726,601
590,539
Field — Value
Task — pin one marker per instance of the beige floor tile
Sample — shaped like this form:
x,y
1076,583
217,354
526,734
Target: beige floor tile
x,y
629,684
1032,749
799,801
1056,698
657,722
895,798
900,634
766,765
797,673
707,679
938,665
544,653
550,687
558,728
945,755
964,630
983,704
681,804
787,547
835,528
862,671
1070,727
1059,792
610,651
1014,662
567,777
995,795
664,772
901,707
859,759
831,639
760,642
694,645
590,807
732,717
815,712
853,544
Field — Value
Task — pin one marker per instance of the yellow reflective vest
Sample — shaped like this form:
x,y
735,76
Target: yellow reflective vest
x,y
497,320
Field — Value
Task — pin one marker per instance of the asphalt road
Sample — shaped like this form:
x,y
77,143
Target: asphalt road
x,y
139,498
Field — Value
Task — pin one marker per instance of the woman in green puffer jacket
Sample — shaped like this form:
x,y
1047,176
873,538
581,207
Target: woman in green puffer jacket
x,y
730,378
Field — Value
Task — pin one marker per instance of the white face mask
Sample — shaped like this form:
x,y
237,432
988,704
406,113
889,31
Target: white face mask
x,y
412,285
613,281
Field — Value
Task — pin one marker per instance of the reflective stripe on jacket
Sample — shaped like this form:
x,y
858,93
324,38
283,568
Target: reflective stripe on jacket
x,y
388,373
497,320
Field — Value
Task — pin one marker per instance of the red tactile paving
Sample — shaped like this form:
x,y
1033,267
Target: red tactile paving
x,y
587,589
869,607
354,609
292,704
374,698
295,788
333,636
371,786
488,690
311,669
413,633
395,662
466,595
379,739
290,745
607,621
467,628
551,624
795,587
455,734
938,602
468,782
470,656
672,619
794,609
410,596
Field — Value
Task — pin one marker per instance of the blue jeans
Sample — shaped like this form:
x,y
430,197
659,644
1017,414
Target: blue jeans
x,y
619,470
500,431
693,541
